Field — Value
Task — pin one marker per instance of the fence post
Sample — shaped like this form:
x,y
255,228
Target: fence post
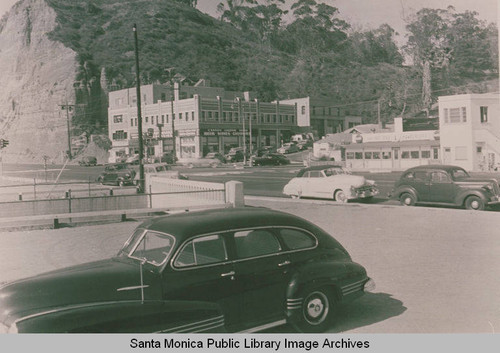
x,y
234,193
68,193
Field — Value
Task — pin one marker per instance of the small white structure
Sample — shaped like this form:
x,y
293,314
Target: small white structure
x,y
470,130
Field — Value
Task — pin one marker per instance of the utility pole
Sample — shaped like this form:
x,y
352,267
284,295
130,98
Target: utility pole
x,y
67,107
173,125
139,116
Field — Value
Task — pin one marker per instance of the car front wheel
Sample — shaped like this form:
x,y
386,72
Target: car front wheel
x,y
474,203
318,310
340,196
407,199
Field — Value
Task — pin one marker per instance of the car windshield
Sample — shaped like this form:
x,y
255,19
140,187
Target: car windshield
x,y
148,246
459,174
335,171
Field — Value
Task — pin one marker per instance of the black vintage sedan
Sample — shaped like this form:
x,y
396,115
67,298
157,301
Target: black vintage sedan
x,y
210,271
445,185
271,159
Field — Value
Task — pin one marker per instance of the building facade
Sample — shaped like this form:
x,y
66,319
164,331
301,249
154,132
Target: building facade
x,y
470,130
204,119
393,149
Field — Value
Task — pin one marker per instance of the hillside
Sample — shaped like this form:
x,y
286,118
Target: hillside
x,y
58,52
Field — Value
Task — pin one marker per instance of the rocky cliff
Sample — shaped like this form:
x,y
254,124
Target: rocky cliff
x,y
36,79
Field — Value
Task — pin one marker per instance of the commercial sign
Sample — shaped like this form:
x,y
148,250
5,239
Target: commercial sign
x,y
222,132
394,137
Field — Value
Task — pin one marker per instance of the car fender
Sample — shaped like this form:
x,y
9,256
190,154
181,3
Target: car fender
x,y
127,316
319,274
460,198
406,189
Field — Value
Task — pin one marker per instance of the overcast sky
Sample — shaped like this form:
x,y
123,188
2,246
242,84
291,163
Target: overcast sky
x,y
368,13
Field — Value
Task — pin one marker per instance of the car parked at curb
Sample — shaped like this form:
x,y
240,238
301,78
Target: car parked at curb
x,y
162,170
205,271
270,159
199,162
120,174
445,185
330,182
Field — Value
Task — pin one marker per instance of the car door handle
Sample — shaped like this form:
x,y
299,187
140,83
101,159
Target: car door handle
x,y
285,263
232,273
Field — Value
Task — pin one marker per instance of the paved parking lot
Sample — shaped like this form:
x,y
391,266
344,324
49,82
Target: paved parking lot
x,y
436,269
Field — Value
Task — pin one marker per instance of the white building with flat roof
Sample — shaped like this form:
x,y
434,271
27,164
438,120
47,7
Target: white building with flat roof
x,y
470,130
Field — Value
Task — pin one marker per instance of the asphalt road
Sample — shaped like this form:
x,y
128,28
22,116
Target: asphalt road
x,y
436,270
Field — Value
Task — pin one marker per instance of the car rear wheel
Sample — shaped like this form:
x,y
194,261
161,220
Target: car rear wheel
x,y
318,309
474,203
340,196
407,199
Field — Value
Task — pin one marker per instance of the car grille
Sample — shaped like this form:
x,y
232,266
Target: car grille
x,y
365,188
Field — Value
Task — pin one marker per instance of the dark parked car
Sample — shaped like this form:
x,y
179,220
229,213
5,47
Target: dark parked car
x,y
88,161
215,270
235,155
445,184
271,159
117,174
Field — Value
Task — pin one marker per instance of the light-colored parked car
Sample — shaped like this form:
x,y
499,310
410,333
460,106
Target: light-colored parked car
x,y
160,169
330,182
199,162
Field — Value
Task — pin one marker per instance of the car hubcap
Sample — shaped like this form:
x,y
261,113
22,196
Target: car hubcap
x,y
340,196
316,308
408,201
474,204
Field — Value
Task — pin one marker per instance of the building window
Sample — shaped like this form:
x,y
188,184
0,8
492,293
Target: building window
x,y
368,155
131,122
461,153
303,109
484,114
180,116
464,114
163,119
435,154
117,119
386,155
192,116
166,119
146,119
405,154
415,154
119,135
376,155
454,115
358,155
349,155
426,154
479,149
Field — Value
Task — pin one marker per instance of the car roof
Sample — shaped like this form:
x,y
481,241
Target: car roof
x,y
434,167
188,224
317,167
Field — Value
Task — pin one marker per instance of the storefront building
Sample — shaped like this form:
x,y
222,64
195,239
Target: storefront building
x,y
396,150
202,123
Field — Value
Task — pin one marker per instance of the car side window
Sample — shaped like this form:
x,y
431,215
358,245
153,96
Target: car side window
x,y
258,242
295,239
439,177
202,251
420,176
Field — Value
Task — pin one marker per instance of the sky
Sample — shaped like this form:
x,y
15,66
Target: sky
x,y
367,14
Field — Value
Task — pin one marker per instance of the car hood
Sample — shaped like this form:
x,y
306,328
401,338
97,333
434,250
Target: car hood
x,y
478,182
102,281
353,180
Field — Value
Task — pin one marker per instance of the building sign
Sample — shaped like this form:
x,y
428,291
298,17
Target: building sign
x,y
222,132
395,137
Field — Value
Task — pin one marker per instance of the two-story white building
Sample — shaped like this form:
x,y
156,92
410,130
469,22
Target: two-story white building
x,y
470,130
